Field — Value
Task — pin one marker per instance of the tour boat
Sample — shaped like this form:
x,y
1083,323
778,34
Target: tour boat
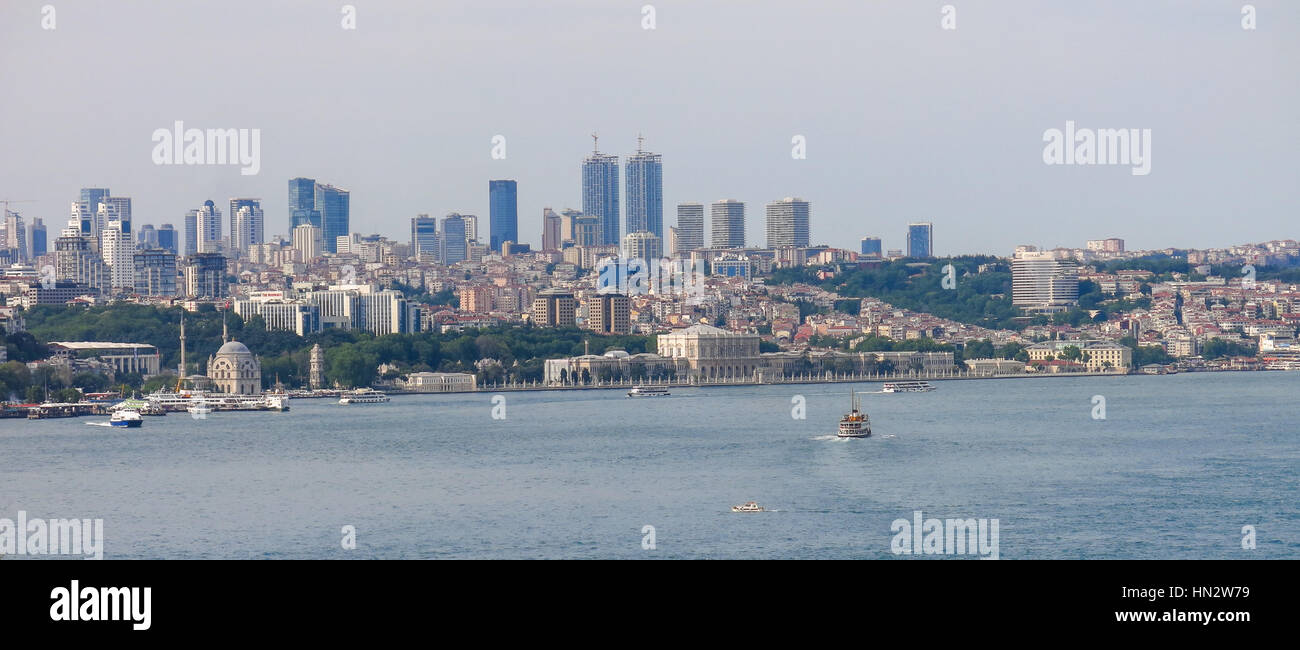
x,y
749,506
125,418
199,408
363,396
648,391
907,387
855,423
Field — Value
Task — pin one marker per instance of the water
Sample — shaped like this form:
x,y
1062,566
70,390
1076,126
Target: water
x,y
1175,470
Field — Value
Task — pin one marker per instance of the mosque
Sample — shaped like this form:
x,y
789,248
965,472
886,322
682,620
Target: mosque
x,y
234,369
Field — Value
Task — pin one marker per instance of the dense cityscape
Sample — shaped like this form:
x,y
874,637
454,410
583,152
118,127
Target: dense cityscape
x,y
788,310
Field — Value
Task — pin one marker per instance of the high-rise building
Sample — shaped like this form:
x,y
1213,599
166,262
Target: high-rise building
x,y
334,206
643,245
121,207
552,226
455,245
424,238
503,214
207,224
728,224
247,225
155,272
302,203
308,241
205,275
608,313
191,232
15,234
920,239
146,237
587,230
871,247
76,260
673,244
167,238
690,227
91,197
37,237
645,192
787,223
600,193
1044,281
119,255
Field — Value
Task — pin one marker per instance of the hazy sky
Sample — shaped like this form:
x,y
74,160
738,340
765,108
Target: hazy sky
x,y
904,121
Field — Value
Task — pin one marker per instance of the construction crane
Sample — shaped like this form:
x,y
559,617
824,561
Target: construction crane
x,y
8,201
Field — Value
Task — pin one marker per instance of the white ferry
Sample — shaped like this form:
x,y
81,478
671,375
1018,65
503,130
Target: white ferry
x,y
125,418
363,396
648,391
749,506
855,423
907,387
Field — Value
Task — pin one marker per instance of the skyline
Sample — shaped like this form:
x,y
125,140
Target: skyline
x,y
950,132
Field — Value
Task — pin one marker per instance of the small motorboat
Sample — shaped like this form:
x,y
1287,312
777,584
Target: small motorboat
x,y
749,506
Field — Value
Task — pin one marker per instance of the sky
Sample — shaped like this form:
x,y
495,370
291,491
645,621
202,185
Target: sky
x,y
903,120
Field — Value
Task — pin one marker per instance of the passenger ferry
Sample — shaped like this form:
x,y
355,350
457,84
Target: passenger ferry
x,y
855,423
648,391
125,418
907,387
749,506
363,396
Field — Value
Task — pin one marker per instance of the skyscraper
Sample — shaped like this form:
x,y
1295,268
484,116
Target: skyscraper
x,y
91,197
600,193
191,232
690,227
37,237
503,214
119,256
1044,281
920,239
728,227
15,233
146,237
551,228
787,223
643,245
333,204
424,238
645,192
121,206
167,238
454,244
155,272
302,203
307,241
246,225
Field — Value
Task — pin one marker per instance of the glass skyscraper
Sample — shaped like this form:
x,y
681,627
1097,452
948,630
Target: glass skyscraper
x,y
645,193
424,238
503,214
453,239
167,238
333,205
600,194
302,203
920,239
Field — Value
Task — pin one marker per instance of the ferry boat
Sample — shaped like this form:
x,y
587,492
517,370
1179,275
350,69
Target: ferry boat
x,y
363,396
907,387
199,408
648,391
855,423
749,506
125,418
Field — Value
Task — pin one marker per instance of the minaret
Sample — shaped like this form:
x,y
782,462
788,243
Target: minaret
x,y
224,337
182,377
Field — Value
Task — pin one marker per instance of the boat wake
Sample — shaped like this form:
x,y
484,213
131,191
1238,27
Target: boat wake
x,y
99,424
831,437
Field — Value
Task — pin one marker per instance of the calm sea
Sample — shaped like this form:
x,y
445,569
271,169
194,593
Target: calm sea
x,y
1175,470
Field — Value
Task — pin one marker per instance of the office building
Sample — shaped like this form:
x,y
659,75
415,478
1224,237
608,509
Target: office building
x,y
334,205
205,275
728,224
871,248
787,223
302,203
1044,282
608,314
155,272
308,241
643,245
15,234
690,227
554,308
167,238
424,238
552,226
920,240
455,244
503,213
37,237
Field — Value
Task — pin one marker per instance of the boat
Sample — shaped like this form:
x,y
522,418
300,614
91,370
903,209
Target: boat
x,y
125,418
749,506
855,423
648,391
363,396
907,387
199,408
